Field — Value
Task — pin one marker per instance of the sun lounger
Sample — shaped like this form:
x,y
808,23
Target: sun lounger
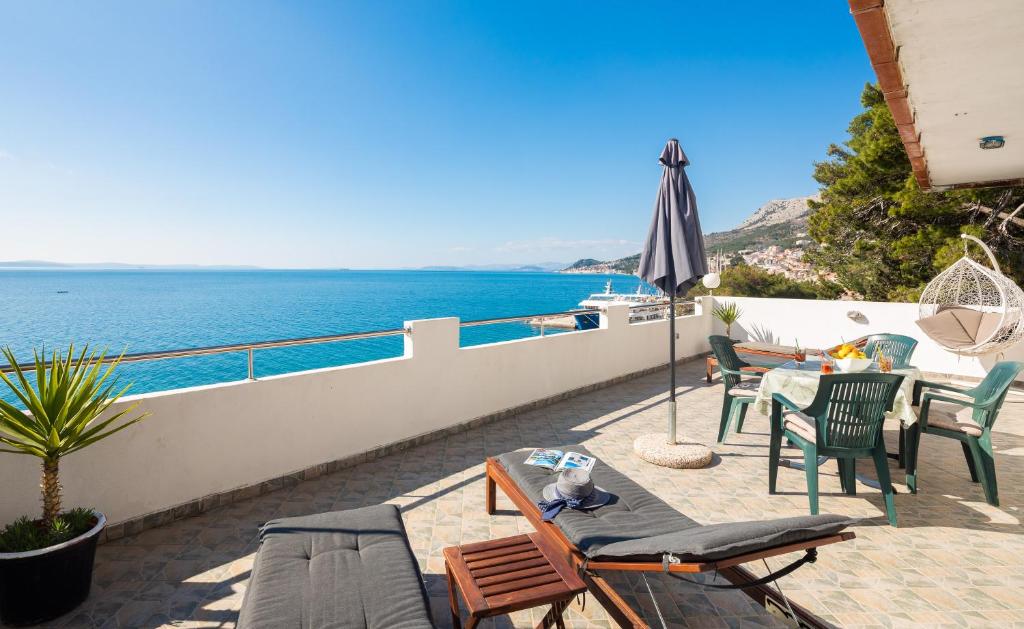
x,y
638,531
341,569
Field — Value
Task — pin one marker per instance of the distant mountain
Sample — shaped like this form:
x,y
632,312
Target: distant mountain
x,y
624,266
779,211
540,267
780,222
111,266
582,264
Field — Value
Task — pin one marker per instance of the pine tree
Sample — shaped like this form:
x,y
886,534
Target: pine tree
x,y
881,234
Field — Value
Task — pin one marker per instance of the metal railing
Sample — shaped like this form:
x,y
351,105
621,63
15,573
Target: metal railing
x,y
251,348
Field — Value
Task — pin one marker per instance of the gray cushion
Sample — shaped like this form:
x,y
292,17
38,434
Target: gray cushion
x,y
339,569
638,525
745,388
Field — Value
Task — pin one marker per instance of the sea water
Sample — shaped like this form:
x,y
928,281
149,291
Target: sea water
x,y
153,310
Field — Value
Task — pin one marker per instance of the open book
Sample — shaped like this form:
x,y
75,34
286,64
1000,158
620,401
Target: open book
x,y
557,460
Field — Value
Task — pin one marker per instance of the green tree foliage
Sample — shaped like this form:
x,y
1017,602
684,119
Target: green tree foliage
x,y
881,234
743,280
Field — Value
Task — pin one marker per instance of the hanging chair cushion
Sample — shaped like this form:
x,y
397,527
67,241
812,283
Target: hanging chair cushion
x,y
959,327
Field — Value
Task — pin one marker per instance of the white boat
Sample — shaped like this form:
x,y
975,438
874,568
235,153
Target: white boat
x,y
643,306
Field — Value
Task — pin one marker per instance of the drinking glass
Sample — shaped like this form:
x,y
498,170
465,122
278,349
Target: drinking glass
x,y
826,364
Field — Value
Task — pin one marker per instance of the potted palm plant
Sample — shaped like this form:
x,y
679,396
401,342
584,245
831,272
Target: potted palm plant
x,y
46,563
728,313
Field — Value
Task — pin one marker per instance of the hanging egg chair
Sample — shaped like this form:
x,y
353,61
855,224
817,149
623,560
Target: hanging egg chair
x,y
971,309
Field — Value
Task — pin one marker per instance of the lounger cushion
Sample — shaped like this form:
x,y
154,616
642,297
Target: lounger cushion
x,y
770,348
639,526
717,541
340,569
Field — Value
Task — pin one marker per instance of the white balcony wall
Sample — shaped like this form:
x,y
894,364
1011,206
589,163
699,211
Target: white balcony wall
x,y
823,324
212,439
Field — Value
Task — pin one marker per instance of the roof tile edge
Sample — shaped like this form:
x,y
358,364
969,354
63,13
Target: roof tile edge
x,y
876,34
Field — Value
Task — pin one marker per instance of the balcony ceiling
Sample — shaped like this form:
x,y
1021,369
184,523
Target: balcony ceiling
x,y
951,72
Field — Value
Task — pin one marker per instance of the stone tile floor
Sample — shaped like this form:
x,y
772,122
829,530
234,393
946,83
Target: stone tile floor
x,y
954,560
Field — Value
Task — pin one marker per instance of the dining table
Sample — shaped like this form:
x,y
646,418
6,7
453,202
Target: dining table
x,y
799,383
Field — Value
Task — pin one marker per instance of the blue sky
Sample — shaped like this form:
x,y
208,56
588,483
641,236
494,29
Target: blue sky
x,y
387,134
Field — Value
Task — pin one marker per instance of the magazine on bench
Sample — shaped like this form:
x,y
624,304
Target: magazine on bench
x,y
556,460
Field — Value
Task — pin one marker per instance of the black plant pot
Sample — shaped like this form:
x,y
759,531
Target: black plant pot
x,y
41,585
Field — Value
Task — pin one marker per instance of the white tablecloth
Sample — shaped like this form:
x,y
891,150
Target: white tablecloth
x,y
801,384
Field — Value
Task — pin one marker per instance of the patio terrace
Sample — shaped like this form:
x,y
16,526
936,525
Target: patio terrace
x,y
954,561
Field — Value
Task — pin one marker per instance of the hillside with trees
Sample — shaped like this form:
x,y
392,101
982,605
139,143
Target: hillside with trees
x,y
743,280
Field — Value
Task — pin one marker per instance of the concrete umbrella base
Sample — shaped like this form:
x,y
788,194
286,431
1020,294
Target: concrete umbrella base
x,y
654,448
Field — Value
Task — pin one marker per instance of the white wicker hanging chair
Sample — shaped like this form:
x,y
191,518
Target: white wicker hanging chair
x,y
971,309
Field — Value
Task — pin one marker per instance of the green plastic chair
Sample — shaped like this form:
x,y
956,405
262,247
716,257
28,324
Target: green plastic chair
x,y
945,416
895,346
739,393
844,421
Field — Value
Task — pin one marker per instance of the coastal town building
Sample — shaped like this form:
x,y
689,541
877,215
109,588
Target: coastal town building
x,y
778,261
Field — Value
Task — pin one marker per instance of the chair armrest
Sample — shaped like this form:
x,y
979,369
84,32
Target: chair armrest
x,y
779,402
919,385
929,397
785,402
958,401
739,373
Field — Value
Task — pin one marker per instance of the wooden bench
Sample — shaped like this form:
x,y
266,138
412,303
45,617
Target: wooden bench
x,y
770,354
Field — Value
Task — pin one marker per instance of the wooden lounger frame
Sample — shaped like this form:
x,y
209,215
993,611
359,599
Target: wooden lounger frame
x,y
617,608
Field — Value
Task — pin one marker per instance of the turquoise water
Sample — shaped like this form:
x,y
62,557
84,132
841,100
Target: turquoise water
x,y
143,311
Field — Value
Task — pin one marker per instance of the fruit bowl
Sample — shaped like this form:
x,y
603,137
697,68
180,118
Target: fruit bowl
x,y
853,365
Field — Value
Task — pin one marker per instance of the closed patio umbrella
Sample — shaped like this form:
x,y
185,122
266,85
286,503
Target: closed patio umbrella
x,y
673,257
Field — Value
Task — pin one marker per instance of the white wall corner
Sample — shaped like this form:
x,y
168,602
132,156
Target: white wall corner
x,y
702,308
615,316
702,304
431,337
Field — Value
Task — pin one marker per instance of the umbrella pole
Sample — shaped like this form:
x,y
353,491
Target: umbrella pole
x,y
672,369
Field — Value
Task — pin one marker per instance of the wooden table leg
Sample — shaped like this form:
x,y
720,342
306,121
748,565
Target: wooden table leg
x,y
453,600
554,616
489,492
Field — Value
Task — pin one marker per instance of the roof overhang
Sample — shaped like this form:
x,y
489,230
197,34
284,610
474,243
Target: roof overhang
x,y
951,72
